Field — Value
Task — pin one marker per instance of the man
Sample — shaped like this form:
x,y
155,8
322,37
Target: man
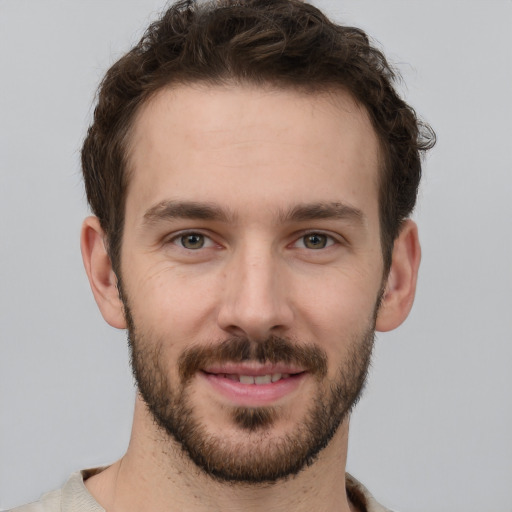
x,y
251,170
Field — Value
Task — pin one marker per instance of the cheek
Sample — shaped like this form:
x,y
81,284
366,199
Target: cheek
x,y
339,310
172,303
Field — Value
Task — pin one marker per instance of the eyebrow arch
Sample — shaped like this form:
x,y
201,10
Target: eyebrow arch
x,y
168,210
318,211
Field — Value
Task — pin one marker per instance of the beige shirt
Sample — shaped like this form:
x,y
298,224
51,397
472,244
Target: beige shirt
x,y
74,497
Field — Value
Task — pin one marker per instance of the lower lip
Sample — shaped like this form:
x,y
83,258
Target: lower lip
x,y
252,395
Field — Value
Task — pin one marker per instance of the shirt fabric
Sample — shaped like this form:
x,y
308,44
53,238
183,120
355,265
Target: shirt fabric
x,y
74,497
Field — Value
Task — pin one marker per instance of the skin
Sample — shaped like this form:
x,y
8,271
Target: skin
x,y
256,154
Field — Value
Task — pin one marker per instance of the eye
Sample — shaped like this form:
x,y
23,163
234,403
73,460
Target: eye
x,y
315,241
193,241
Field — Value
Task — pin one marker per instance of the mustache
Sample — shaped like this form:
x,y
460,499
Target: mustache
x,y
273,349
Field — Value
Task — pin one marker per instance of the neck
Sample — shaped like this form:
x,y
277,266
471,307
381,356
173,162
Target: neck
x,y
156,475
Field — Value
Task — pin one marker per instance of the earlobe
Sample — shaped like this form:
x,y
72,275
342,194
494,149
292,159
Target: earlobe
x,y
401,282
101,276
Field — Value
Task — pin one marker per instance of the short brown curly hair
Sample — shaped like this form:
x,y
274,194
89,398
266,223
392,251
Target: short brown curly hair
x,y
284,43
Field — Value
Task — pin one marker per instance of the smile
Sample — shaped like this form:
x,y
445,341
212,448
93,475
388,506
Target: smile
x,y
253,386
255,379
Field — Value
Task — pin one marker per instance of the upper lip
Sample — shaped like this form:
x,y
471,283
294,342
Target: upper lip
x,y
252,368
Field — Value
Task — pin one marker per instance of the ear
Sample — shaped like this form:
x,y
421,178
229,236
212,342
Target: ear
x,y
401,282
101,276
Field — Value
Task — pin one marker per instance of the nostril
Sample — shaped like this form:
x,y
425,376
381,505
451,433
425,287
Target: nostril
x,y
253,303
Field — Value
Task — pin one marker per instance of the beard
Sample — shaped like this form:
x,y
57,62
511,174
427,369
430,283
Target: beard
x,y
257,456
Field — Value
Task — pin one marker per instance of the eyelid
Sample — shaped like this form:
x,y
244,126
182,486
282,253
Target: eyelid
x,y
333,238
176,237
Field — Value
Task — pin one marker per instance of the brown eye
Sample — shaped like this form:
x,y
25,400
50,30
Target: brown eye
x,y
192,241
315,241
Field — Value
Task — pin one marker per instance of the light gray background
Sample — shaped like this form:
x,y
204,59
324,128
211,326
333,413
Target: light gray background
x,y
434,429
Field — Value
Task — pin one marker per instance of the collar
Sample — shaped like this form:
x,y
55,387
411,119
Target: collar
x,y
76,497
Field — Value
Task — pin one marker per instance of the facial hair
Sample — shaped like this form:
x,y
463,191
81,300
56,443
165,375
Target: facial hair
x,y
260,457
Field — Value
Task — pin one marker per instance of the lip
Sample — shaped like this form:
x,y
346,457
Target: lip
x,y
252,395
253,368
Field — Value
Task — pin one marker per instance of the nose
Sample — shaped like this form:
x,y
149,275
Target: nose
x,y
255,300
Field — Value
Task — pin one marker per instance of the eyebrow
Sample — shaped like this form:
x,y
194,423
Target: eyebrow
x,y
169,209
318,211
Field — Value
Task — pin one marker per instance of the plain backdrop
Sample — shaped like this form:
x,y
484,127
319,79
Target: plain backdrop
x,y
433,431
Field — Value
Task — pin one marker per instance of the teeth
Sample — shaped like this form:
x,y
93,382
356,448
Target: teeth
x,y
263,379
260,379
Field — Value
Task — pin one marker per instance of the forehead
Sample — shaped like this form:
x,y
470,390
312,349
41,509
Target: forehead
x,y
244,144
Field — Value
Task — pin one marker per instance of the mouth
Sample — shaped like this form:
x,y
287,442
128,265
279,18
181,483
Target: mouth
x,y
253,386
257,380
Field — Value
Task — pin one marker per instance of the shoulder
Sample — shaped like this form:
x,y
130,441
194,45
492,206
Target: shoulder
x,y
361,497
49,502
74,496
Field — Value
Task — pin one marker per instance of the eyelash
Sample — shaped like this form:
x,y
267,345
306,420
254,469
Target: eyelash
x,y
208,242
177,239
330,240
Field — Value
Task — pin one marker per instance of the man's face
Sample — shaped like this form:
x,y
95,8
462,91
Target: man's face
x,y
251,270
